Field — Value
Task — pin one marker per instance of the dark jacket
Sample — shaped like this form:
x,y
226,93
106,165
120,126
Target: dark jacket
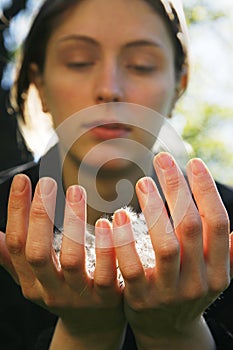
x,y
25,326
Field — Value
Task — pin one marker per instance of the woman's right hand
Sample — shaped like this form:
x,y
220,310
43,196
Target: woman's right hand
x,y
89,308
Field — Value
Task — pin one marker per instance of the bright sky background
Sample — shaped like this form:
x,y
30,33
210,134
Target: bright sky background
x,y
215,52
212,47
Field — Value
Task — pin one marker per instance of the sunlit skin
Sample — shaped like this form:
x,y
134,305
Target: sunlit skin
x,y
88,64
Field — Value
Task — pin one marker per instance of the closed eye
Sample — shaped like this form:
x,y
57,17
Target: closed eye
x,y
142,68
80,65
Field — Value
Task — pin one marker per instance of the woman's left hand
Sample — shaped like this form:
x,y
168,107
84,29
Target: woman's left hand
x,y
164,304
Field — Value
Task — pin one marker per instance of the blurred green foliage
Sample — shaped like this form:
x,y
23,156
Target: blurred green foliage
x,y
204,130
201,13
207,124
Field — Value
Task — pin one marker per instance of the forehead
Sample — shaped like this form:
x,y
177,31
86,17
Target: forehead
x,y
112,22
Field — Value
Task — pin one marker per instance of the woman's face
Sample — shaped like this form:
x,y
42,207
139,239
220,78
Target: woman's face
x,y
108,51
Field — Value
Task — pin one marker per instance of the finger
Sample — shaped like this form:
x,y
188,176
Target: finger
x,y
185,216
163,238
105,270
17,227
129,261
174,186
214,219
72,256
39,251
5,259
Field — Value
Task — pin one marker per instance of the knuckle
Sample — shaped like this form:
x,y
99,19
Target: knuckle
x,y
34,293
70,262
35,296
37,257
197,291
30,292
132,272
168,251
173,181
153,213
30,295
218,285
220,224
39,211
168,299
15,243
102,282
139,305
191,226
50,301
153,206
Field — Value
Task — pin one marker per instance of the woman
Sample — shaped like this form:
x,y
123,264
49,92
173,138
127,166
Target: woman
x,y
86,53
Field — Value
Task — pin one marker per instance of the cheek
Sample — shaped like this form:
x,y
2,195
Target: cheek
x,y
158,94
64,98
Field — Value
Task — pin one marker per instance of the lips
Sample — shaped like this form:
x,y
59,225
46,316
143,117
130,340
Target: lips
x,y
107,131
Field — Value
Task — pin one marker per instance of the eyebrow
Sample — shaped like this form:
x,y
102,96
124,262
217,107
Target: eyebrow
x,y
76,37
135,43
138,43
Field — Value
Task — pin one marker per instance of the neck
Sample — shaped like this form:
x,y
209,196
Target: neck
x,y
107,191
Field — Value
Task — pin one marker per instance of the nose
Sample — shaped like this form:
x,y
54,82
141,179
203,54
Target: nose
x,y
109,84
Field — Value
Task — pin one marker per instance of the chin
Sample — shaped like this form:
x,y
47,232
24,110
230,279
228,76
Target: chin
x,y
105,167
108,156
116,165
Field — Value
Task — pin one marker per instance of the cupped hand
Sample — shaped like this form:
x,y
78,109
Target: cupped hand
x,y
89,307
164,304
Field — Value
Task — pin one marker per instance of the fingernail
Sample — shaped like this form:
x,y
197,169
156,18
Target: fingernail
x,y
46,186
198,167
146,185
19,183
164,160
75,194
103,224
120,217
